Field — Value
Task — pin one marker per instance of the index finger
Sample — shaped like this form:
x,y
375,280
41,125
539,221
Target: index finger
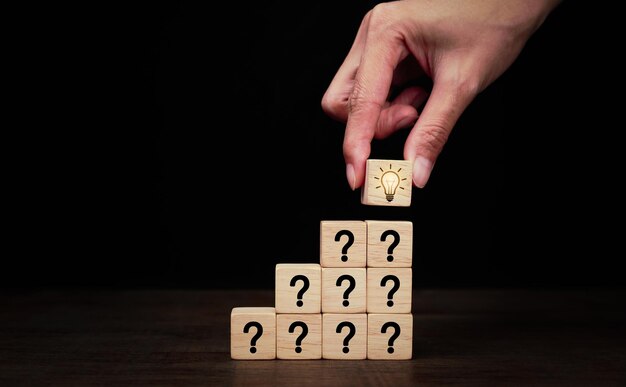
x,y
382,52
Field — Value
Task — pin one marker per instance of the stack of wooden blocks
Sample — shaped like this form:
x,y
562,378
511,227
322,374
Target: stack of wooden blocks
x,y
354,304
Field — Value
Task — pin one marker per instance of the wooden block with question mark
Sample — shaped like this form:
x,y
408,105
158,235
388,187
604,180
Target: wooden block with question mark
x,y
344,336
387,183
343,243
298,288
253,333
389,336
389,290
299,336
389,243
344,290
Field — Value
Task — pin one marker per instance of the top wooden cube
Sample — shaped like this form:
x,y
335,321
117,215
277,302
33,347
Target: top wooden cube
x,y
389,243
343,243
387,183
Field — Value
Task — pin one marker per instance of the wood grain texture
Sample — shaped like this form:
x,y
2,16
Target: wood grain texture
x,y
385,329
310,340
333,300
389,243
344,336
378,296
298,298
254,342
171,338
337,249
387,183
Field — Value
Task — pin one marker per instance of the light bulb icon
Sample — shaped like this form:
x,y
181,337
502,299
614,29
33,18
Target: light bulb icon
x,y
390,181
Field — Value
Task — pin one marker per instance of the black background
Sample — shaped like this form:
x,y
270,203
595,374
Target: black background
x,y
183,145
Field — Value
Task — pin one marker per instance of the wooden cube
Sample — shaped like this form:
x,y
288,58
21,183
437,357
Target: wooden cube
x,y
343,243
298,288
344,336
389,290
389,336
387,183
299,336
344,290
389,243
253,333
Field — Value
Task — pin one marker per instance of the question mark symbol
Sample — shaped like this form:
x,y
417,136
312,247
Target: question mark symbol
x,y
344,250
346,340
305,331
259,332
394,289
305,286
396,241
349,289
396,333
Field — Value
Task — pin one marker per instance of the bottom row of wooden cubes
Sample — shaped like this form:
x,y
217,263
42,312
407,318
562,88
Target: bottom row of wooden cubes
x,y
260,334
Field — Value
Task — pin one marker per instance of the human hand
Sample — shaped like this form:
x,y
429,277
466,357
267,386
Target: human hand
x,y
462,46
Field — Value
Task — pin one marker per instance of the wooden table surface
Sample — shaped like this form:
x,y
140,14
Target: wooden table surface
x,y
181,338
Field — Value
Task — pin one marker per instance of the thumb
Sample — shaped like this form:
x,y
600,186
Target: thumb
x,y
424,143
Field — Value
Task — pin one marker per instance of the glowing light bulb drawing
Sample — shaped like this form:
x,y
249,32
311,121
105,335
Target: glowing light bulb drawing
x,y
390,182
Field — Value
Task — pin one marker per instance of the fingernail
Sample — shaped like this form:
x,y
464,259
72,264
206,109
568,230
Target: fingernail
x,y
351,176
406,122
421,171
419,99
